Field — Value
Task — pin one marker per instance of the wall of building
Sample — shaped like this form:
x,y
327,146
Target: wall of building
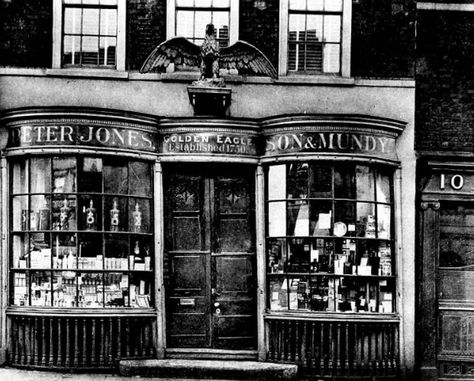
x,y
26,33
445,79
382,33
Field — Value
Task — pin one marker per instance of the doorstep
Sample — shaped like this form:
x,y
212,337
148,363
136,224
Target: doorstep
x,y
178,368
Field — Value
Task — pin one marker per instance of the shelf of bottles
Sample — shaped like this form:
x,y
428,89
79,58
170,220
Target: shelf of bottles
x,y
81,232
329,238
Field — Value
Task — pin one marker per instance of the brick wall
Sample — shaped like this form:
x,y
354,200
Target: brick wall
x,y
259,26
26,33
445,81
146,28
383,38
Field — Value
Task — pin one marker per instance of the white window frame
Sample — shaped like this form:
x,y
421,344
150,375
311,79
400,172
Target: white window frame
x,y
345,39
233,21
58,35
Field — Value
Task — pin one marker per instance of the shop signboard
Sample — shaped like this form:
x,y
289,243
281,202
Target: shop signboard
x,y
228,143
82,135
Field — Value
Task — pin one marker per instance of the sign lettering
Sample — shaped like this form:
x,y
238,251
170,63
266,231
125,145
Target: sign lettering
x,y
343,142
226,143
26,136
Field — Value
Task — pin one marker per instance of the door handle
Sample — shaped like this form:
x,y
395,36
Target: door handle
x,y
216,304
214,292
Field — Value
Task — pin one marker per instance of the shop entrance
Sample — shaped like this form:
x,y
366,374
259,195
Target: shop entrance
x,y
210,258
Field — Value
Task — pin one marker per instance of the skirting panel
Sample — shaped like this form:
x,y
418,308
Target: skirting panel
x,y
334,349
79,342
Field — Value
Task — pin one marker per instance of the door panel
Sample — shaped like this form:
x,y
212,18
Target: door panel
x,y
210,248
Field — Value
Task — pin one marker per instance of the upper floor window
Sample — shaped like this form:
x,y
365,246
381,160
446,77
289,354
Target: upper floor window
x,y
315,37
89,33
188,19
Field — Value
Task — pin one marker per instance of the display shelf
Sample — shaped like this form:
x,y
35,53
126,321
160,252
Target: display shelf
x,y
292,275
82,233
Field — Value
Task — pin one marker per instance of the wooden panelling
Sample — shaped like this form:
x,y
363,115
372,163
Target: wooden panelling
x,y
79,342
336,348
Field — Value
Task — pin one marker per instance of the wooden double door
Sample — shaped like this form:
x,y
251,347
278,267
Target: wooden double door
x,y
210,257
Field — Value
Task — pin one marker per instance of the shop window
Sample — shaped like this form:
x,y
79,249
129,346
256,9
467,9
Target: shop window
x,y
188,18
315,37
89,33
81,233
330,238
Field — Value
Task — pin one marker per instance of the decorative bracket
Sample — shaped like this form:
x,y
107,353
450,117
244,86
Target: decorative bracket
x,y
211,101
435,205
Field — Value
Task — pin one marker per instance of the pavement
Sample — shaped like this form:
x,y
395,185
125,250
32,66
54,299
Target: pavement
x,y
13,374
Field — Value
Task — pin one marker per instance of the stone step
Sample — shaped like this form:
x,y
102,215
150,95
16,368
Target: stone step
x,y
179,368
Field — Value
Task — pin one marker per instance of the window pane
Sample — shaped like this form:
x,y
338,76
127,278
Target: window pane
x,y
184,3
202,19
89,50
299,256
40,175
320,180
364,183
277,256
41,289
20,181
384,221
202,3
116,177
90,213
298,218
321,218
64,212
276,219
331,58
90,175
20,289
20,213
383,187
297,27
300,4
71,55
366,219
278,295
221,22
140,179
221,3
72,20
90,21
315,5
298,180
39,213
108,22
344,181
277,182
185,24
345,218
108,2
139,213
64,175
333,5
298,293
332,28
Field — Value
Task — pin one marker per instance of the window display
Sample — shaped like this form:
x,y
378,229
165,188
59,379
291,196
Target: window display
x,y
81,232
330,242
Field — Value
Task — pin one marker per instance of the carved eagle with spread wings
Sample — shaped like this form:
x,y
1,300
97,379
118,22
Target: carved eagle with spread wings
x,y
242,56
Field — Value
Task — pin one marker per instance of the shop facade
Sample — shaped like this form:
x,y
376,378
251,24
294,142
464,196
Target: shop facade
x,y
282,238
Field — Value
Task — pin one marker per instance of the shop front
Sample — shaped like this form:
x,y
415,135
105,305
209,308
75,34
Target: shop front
x,y
132,236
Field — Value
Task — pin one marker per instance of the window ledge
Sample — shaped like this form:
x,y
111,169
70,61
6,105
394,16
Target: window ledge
x,y
296,79
87,73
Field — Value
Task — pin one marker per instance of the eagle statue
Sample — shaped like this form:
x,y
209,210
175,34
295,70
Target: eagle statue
x,y
241,56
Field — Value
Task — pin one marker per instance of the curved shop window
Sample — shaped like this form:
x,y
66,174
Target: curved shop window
x,y
81,232
330,244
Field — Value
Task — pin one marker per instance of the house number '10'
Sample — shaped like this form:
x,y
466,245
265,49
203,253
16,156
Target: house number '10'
x,y
456,182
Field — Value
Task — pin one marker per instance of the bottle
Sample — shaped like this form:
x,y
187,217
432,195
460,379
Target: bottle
x,y
137,219
114,217
139,262
64,216
91,217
